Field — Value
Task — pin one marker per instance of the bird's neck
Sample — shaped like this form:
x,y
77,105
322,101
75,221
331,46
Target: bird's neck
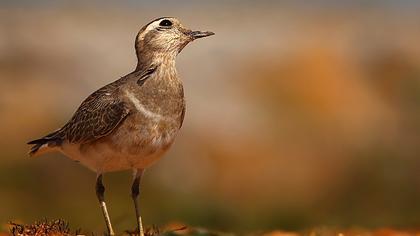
x,y
148,58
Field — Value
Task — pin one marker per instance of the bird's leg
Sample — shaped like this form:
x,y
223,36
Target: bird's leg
x,y
100,190
135,190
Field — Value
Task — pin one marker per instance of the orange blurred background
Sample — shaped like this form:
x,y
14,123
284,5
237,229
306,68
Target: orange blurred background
x,y
298,114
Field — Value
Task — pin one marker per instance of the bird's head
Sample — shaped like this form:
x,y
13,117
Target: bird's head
x,y
165,35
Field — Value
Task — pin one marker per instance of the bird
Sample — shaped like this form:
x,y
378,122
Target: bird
x,y
130,123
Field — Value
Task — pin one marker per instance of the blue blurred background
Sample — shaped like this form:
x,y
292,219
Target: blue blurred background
x,y
299,114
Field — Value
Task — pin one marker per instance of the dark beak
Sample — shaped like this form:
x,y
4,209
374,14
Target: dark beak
x,y
200,34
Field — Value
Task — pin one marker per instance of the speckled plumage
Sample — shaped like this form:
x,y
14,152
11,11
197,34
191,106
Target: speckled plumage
x,y
109,126
109,120
109,133
131,122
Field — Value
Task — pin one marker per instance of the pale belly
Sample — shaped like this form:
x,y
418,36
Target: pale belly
x,y
133,145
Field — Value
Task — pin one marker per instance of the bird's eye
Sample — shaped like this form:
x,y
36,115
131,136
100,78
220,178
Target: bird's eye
x,y
165,23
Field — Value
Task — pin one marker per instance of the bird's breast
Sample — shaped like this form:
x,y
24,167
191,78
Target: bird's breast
x,y
155,117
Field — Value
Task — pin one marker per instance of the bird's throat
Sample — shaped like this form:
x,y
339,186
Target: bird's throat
x,y
148,58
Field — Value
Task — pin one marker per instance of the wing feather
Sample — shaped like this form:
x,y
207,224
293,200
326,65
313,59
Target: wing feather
x,y
97,116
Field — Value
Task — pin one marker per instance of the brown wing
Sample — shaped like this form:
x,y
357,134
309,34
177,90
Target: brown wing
x,y
97,116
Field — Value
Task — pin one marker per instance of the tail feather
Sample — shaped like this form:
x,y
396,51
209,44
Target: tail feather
x,y
37,144
51,140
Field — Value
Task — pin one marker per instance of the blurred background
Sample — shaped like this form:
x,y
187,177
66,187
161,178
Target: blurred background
x,y
299,114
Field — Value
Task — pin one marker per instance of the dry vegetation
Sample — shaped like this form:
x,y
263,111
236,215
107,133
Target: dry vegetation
x,y
62,228
55,227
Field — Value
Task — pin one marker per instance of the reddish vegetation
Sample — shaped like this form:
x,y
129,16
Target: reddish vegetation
x,y
61,228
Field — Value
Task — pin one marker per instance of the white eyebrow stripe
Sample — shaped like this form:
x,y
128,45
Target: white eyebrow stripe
x,y
152,26
148,28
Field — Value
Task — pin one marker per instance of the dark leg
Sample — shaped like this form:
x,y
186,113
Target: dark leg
x,y
135,190
100,190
